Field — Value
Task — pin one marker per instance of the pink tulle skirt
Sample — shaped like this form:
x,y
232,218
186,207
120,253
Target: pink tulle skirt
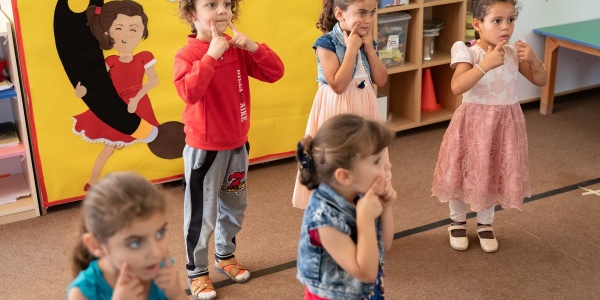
x,y
327,104
483,158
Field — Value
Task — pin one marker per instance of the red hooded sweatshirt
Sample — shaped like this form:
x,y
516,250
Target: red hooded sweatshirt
x,y
216,92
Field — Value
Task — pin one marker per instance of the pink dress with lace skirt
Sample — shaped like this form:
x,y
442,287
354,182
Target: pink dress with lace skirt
x,y
483,158
358,98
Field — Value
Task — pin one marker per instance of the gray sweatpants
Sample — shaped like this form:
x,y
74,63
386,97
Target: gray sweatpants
x,y
215,201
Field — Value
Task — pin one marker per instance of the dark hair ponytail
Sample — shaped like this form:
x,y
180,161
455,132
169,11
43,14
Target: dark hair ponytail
x,y
306,164
81,256
327,20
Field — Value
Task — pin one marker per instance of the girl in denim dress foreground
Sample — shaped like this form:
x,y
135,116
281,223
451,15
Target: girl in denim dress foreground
x,y
347,66
348,222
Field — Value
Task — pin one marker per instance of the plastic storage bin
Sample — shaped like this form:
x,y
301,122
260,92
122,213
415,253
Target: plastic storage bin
x,y
384,3
391,38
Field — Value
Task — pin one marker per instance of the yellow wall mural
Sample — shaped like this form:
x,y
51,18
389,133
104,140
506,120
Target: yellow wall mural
x,y
54,58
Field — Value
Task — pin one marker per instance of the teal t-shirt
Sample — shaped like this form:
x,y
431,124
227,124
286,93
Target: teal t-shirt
x,y
92,284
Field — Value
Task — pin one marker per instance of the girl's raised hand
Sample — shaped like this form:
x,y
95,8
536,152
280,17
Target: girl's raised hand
x,y
367,41
167,280
370,205
495,57
218,43
525,53
241,41
128,286
389,193
353,40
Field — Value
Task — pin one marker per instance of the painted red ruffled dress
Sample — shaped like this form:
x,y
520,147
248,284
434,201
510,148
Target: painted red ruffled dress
x,y
483,158
127,79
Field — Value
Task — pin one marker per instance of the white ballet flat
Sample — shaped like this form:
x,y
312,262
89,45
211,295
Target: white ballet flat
x,y
458,243
488,245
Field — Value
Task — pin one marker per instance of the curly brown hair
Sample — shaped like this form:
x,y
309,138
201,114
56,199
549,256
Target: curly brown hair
x,y
188,7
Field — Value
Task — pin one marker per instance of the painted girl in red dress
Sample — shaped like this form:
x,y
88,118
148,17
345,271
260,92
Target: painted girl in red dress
x,y
120,25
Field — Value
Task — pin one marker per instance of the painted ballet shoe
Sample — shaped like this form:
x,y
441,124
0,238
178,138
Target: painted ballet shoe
x,y
488,245
461,242
86,187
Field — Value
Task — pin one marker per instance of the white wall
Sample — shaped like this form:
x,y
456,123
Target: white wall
x,y
575,69
7,8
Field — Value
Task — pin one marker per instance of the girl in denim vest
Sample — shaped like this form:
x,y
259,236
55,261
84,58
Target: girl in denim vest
x,y
348,67
348,222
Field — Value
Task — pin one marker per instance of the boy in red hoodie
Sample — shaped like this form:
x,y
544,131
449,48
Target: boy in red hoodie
x,y
211,77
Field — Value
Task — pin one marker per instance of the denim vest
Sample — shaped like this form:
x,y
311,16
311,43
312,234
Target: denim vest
x,y
316,268
334,41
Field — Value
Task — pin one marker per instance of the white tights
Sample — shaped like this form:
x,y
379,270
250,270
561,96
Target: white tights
x,y
458,213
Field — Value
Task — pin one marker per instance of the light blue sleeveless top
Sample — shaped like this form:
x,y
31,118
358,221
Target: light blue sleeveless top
x,y
92,284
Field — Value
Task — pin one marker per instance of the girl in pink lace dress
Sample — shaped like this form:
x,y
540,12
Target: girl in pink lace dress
x,y
483,157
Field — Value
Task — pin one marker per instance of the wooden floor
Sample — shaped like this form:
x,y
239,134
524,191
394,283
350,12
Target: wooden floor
x,y
549,250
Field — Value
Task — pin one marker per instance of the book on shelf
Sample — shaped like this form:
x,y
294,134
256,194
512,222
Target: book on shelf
x,y
8,135
5,85
12,187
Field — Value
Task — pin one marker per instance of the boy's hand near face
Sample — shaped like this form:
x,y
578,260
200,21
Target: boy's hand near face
x,y
218,43
241,41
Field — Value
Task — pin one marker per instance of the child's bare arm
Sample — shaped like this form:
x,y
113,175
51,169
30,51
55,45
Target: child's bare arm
x,y
361,260
76,294
387,216
466,76
339,75
529,61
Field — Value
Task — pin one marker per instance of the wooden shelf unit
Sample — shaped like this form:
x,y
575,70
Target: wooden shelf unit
x,y
403,89
15,161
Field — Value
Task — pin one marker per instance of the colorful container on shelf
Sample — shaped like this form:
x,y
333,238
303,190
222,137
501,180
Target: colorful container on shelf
x,y
391,38
385,3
